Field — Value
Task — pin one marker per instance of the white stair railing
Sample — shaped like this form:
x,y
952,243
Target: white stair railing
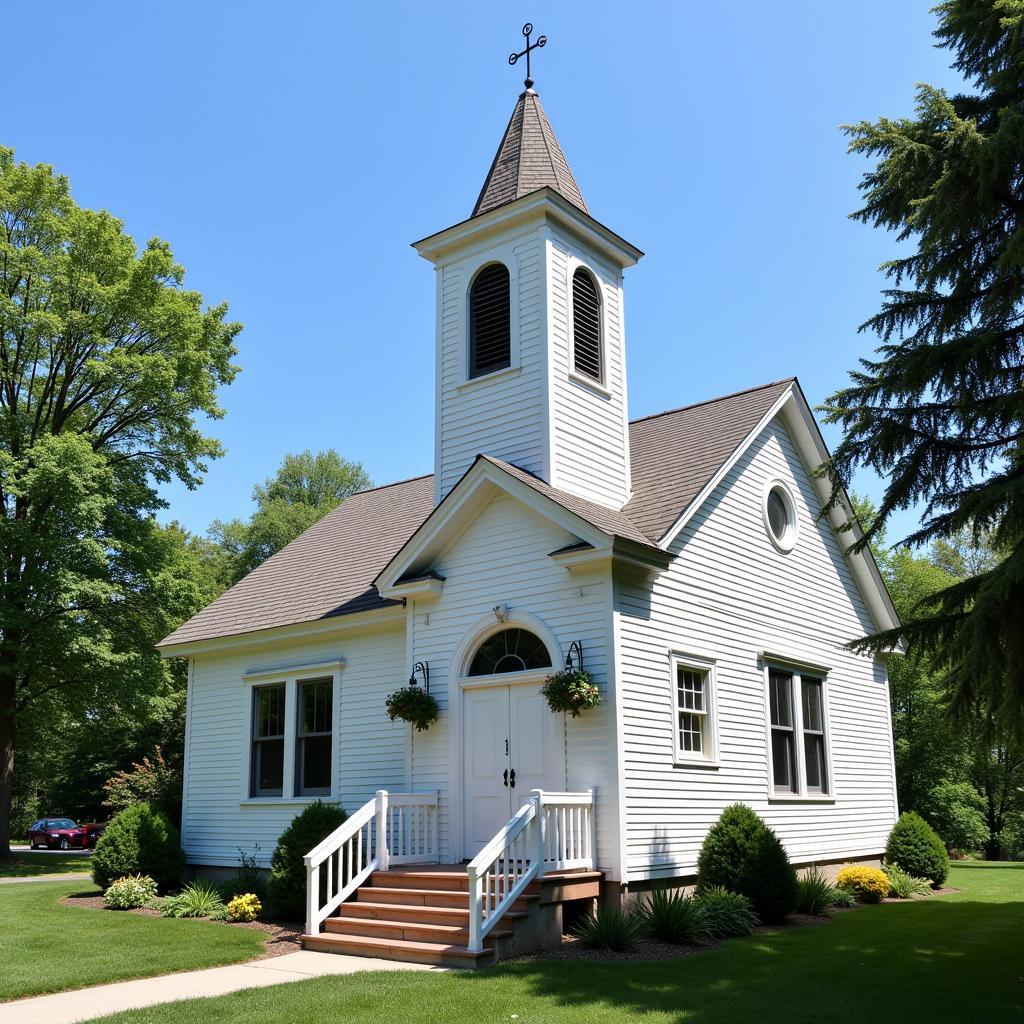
x,y
392,828
552,832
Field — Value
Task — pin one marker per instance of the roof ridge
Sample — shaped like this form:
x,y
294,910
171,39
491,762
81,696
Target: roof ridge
x,y
719,398
394,483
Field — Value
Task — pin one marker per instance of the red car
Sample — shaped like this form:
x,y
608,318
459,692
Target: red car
x,y
57,834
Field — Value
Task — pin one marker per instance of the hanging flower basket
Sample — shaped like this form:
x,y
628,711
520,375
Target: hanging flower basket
x,y
414,705
571,690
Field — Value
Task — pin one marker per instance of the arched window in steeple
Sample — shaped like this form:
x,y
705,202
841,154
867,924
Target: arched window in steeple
x,y
586,325
490,321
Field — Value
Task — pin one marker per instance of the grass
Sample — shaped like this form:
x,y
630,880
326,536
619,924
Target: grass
x,y
46,947
948,958
40,862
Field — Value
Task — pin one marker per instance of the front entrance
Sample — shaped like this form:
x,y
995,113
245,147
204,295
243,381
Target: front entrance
x,y
512,743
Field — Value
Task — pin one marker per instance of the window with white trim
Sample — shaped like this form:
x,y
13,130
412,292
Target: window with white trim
x,y
798,748
313,737
267,762
693,711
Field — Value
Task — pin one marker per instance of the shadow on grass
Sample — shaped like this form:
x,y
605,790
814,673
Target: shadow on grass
x,y
930,960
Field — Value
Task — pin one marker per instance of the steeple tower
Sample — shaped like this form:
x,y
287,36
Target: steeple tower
x,y
531,362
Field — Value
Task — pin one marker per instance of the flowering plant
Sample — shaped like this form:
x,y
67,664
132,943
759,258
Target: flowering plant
x,y
414,705
245,907
571,690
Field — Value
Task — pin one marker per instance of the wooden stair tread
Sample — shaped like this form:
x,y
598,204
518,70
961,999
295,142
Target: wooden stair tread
x,y
382,947
394,911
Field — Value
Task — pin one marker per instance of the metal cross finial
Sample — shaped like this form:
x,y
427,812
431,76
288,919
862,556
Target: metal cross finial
x,y
513,57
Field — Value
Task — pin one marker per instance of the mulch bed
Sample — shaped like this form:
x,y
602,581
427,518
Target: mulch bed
x,y
282,936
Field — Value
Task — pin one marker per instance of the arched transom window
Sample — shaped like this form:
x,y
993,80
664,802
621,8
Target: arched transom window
x,y
511,650
586,325
490,321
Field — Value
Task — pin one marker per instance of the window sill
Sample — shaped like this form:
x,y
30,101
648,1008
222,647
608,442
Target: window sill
x,y
795,798
590,384
285,801
475,382
695,762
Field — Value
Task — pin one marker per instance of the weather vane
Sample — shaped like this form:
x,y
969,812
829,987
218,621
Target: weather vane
x,y
513,57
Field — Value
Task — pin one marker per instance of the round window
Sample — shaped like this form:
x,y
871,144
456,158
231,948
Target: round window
x,y
780,517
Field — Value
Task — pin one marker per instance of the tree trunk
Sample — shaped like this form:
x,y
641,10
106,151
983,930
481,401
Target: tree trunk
x,y
7,734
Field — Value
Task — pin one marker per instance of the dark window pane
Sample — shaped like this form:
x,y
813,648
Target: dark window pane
x,y
812,705
778,514
780,691
268,767
782,760
814,756
511,650
315,765
315,706
269,717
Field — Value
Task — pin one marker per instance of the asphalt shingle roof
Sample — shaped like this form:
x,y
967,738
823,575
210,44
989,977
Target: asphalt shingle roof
x,y
328,570
528,158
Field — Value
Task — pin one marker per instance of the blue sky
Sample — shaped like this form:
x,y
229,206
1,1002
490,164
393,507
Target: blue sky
x,y
291,153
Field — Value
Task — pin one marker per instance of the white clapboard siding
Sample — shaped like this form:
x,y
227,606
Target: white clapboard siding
x,y
371,750
728,595
502,558
590,450
504,417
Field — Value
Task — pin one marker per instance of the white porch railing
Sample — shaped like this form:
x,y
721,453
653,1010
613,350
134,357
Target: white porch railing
x,y
551,832
392,828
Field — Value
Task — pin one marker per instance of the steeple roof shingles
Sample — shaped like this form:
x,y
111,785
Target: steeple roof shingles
x,y
529,158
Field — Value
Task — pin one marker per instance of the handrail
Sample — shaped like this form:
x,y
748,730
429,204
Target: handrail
x,y
390,828
552,831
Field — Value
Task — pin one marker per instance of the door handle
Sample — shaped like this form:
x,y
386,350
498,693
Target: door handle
x,y
512,779
505,777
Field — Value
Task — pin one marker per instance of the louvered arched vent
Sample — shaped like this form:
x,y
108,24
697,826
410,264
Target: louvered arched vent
x,y
586,325
490,315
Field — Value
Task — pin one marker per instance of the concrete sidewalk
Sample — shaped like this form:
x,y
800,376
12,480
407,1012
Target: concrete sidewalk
x,y
86,1003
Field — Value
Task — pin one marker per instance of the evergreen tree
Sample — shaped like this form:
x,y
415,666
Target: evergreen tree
x,y
940,410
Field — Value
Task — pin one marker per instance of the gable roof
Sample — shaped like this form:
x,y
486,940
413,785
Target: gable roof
x,y
528,158
674,454
325,572
329,571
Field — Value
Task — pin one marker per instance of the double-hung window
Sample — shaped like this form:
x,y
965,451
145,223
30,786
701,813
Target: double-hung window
x,y
798,747
293,733
693,711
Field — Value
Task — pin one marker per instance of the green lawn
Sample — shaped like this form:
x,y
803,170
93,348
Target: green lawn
x,y
40,862
46,947
950,958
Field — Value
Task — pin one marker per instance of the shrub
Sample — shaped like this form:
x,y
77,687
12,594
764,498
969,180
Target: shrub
x,y
572,690
200,899
130,892
843,896
902,886
286,886
246,907
725,913
870,884
672,917
957,812
914,845
813,892
741,853
250,877
139,841
155,780
1011,839
610,928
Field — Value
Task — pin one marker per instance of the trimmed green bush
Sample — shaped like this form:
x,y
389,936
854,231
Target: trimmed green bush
x,y
139,841
672,917
286,886
742,854
725,913
914,845
610,928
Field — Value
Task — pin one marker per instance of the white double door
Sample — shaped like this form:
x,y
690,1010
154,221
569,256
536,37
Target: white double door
x,y
512,743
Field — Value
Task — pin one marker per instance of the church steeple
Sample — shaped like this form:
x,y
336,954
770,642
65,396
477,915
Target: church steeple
x,y
528,158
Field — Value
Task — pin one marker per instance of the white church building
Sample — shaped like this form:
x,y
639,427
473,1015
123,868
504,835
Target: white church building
x,y
681,559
